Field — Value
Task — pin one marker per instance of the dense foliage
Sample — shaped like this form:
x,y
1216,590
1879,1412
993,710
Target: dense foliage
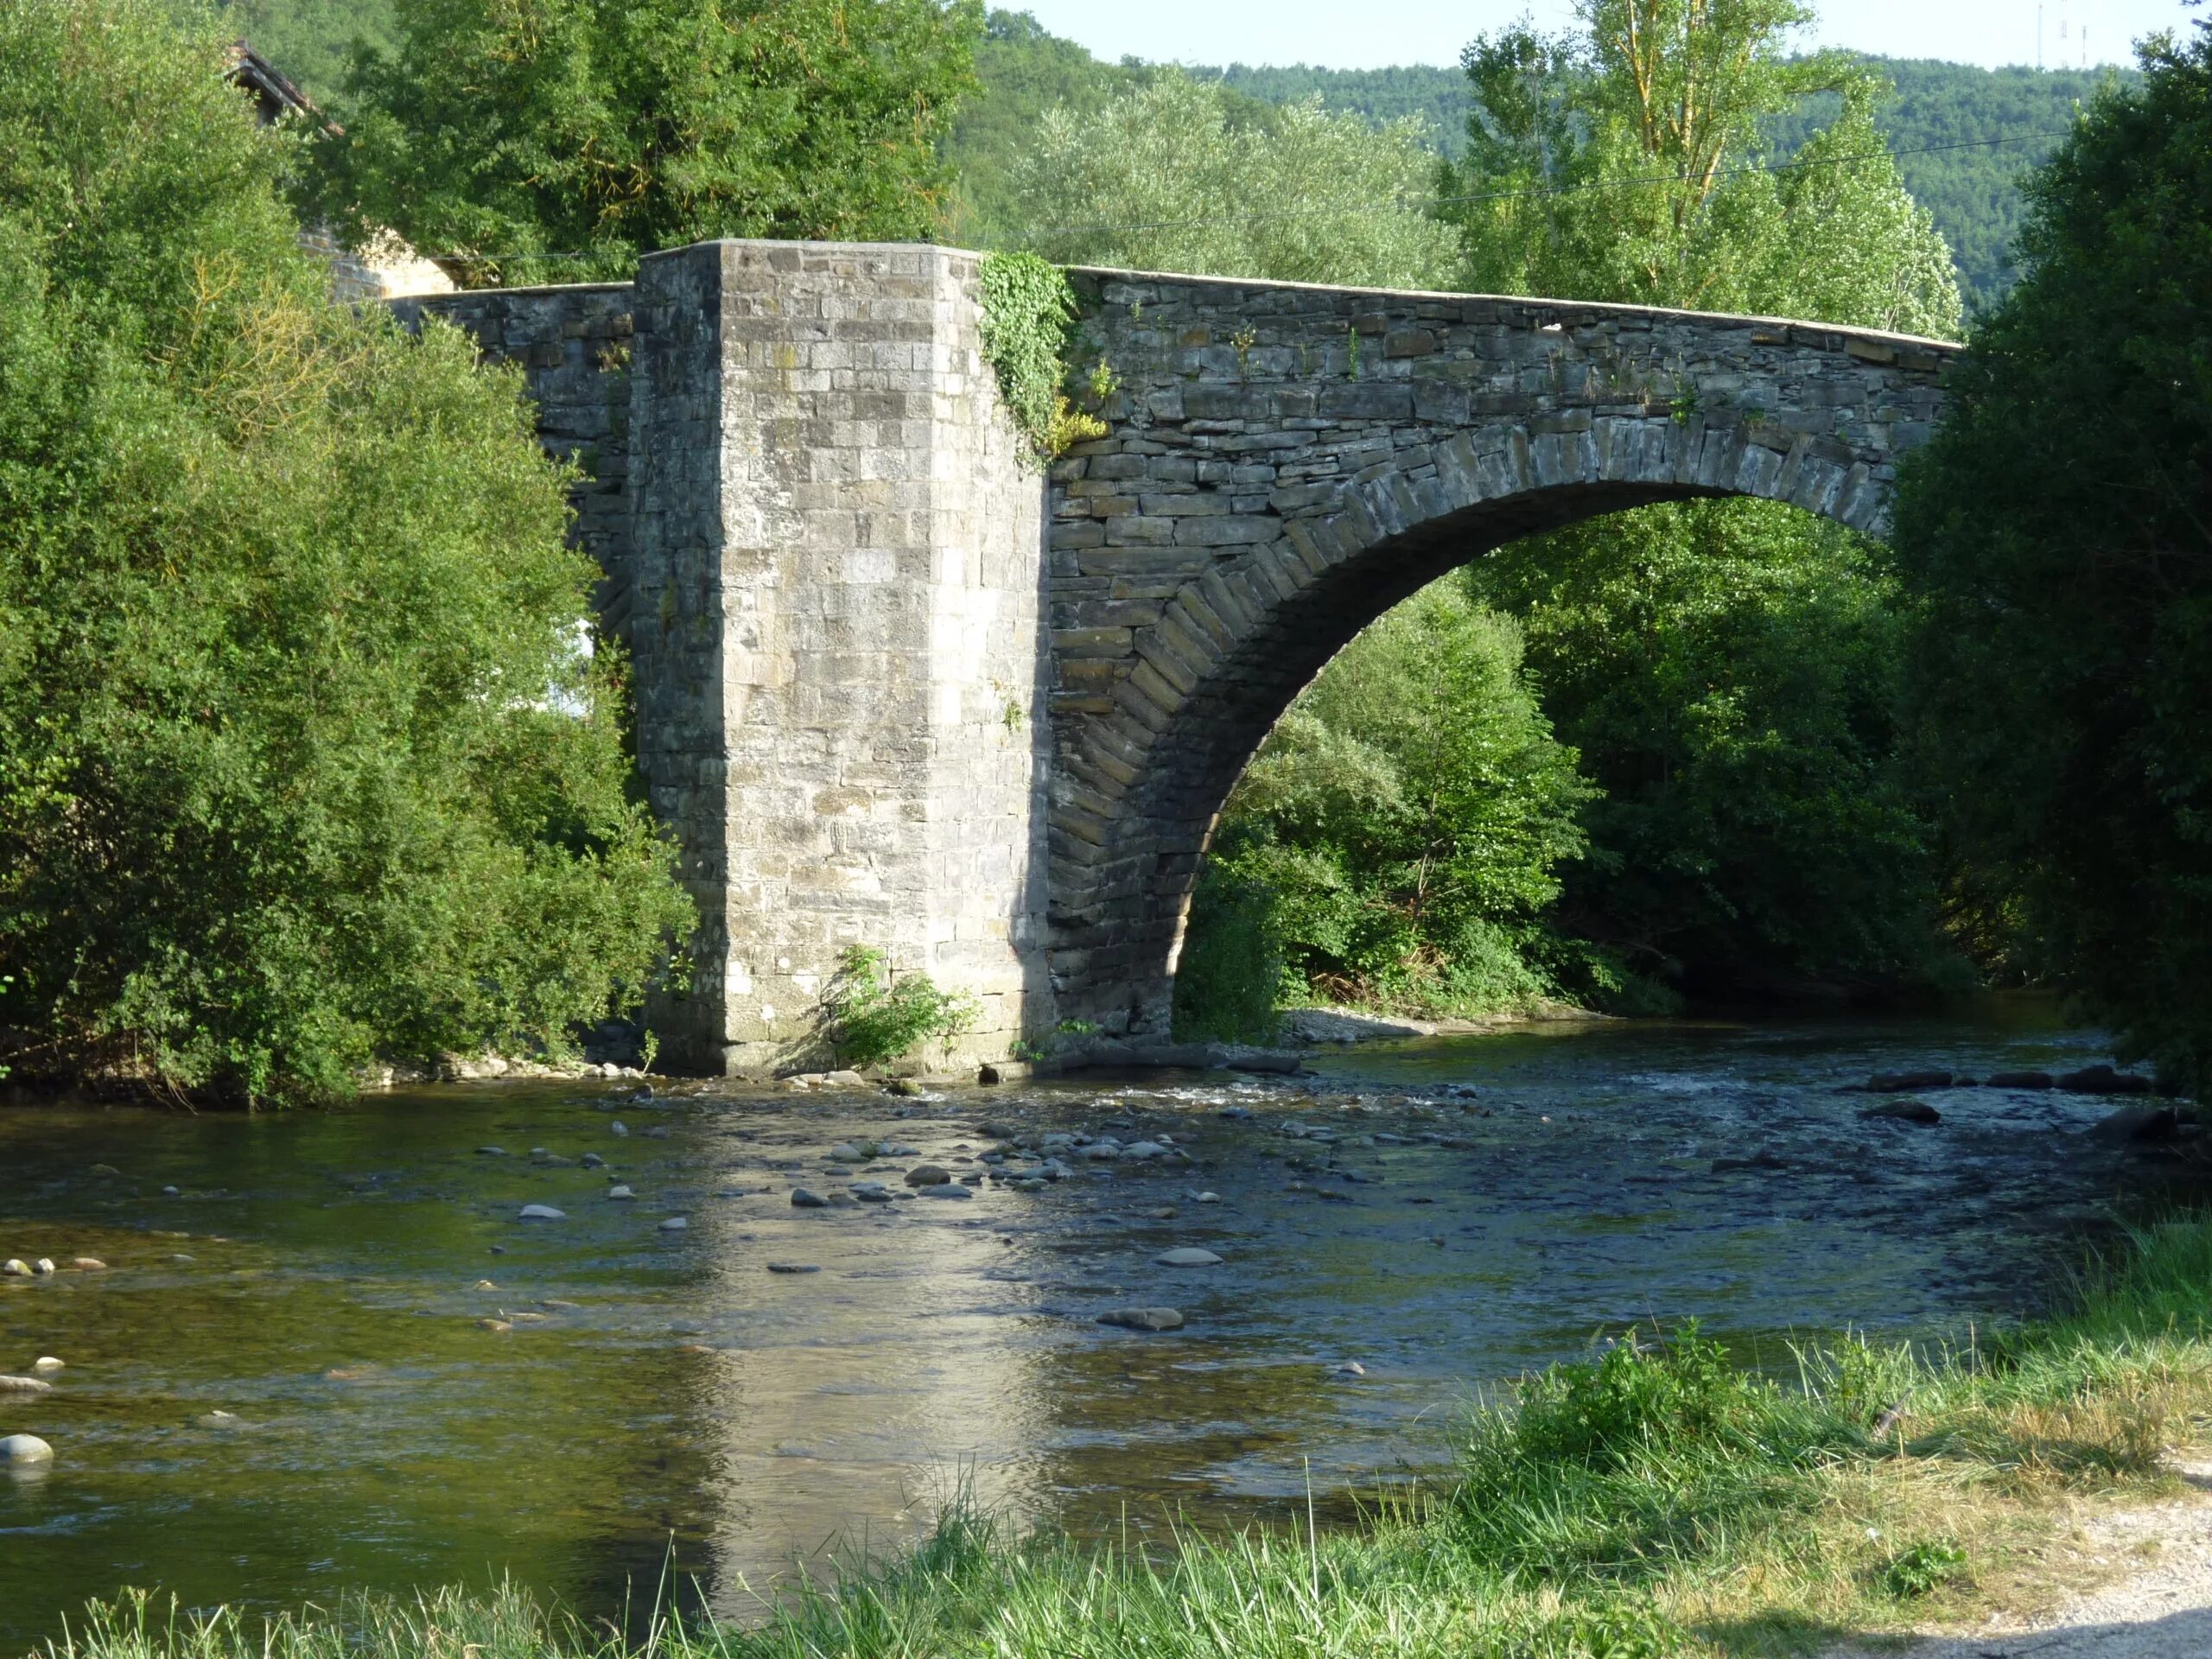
x,y
1621,161
559,139
1165,176
1962,136
300,758
1729,675
2060,527
1406,817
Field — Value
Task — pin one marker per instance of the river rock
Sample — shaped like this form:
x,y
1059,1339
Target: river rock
x,y
88,1264
871,1191
928,1175
952,1190
1349,1368
43,1266
172,1192
618,1126
23,1450
675,1224
1904,1082
846,1152
491,1152
105,1169
24,1385
620,1191
541,1212
1205,1198
1144,1151
15,1267
592,1160
1906,1111
801,1198
793,1267
2020,1080
2138,1123
2103,1080
493,1324
46,1362
1186,1256
904,1087
846,1079
1143,1319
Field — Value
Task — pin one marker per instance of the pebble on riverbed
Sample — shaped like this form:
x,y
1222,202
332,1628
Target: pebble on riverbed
x,y
1187,1255
24,1385
15,1267
541,1212
674,1224
802,1198
23,1450
1143,1319
46,1362
928,1175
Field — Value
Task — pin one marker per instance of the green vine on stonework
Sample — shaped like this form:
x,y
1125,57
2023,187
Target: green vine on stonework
x,y
1028,310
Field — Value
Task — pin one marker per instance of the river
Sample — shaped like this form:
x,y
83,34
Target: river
x,y
280,1387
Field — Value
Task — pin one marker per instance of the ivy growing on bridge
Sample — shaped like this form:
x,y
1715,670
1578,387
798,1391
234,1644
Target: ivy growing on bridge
x,y
1028,310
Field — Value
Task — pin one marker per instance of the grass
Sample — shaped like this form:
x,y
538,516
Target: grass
x,y
1651,1501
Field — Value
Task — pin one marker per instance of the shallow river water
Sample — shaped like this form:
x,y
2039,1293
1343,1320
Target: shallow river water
x,y
1491,1203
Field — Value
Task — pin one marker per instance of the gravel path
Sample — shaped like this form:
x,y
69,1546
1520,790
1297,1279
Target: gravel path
x,y
2161,1610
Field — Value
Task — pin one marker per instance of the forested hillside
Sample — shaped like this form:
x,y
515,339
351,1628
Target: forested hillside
x,y
1971,190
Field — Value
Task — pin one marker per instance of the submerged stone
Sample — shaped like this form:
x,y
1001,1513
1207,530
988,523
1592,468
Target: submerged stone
x,y
1187,1255
1143,1319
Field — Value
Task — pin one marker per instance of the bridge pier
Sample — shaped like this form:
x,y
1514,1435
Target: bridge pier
x,y
823,548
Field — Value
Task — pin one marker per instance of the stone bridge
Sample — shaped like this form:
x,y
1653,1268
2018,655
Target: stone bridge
x,y
897,688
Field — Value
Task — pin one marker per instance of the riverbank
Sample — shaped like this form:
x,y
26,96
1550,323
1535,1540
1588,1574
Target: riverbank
x,y
1653,1500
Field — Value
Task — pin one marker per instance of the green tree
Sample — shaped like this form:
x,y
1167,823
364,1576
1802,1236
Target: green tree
x,y
2059,528
559,139
1724,668
1406,817
1625,162
1168,175
301,758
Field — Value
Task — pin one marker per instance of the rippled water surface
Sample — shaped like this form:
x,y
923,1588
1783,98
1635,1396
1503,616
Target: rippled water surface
x,y
1470,1207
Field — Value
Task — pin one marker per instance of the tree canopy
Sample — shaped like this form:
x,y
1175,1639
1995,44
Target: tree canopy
x,y
302,760
1169,174
2059,528
560,139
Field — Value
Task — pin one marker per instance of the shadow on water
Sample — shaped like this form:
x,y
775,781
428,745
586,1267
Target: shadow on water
x,y
1443,1213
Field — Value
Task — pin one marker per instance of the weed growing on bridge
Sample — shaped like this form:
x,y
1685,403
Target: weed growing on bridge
x,y
874,1019
1027,306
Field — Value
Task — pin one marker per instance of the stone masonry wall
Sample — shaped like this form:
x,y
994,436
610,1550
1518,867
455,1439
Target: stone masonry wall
x,y
879,603
1286,462
824,554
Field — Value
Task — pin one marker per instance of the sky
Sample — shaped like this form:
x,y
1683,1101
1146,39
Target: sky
x,y
1366,34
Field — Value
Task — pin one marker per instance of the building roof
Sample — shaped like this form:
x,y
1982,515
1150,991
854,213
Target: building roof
x,y
274,94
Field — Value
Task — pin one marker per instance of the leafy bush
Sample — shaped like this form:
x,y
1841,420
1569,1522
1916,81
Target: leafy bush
x,y
1406,817
1922,1569
1226,982
874,1020
300,758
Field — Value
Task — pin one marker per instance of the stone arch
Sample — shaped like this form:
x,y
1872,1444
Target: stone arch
x,y
1285,463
